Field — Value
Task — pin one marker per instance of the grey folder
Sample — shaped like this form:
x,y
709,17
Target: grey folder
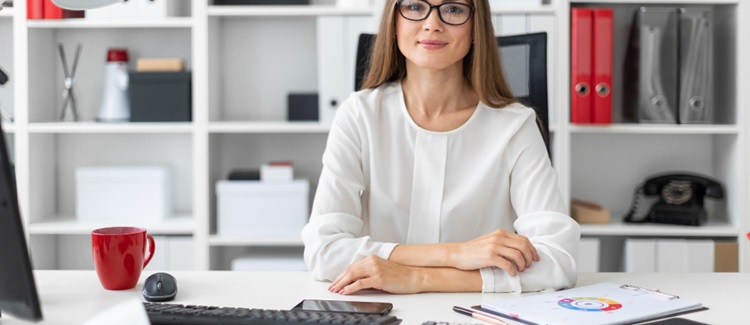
x,y
696,73
668,67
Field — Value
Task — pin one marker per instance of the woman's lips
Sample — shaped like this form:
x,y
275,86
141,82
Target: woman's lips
x,y
432,44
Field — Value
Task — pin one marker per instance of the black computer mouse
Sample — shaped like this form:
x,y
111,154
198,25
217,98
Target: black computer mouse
x,y
159,287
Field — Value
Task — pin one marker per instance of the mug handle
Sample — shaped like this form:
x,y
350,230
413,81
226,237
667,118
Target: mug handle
x,y
151,248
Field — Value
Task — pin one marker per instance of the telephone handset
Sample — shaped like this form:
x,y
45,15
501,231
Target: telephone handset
x,y
680,199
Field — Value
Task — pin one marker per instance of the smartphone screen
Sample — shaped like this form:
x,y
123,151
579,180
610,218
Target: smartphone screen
x,y
340,306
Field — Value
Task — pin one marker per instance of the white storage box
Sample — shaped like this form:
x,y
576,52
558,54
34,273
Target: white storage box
x,y
141,9
256,207
122,193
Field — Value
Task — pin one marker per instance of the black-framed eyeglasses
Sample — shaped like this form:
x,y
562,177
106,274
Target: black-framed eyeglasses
x,y
451,13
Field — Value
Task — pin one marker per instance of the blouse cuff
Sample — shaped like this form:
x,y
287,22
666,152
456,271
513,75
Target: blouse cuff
x,y
386,249
488,279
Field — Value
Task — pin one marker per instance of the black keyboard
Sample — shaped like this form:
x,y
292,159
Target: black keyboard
x,y
160,313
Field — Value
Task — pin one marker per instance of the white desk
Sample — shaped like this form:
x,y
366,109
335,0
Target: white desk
x,y
72,297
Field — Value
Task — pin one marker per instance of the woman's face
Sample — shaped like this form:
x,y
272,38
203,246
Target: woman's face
x,y
432,43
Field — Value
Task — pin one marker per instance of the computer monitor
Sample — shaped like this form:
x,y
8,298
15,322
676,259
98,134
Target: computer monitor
x,y
18,296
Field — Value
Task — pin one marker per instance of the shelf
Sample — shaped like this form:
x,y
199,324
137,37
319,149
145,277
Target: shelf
x,y
172,22
710,229
285,10
659,2
6,12
654,129
291,240
177,225
267,127
329,10
97,127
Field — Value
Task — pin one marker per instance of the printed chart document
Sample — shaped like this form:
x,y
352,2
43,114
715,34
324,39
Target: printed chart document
x,y
603,303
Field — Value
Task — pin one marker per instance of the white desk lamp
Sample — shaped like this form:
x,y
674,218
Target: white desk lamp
x,y
83,4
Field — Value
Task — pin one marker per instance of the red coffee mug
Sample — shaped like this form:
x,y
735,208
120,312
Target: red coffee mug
x,y
120,255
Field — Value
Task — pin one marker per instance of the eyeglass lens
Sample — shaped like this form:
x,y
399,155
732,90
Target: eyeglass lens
x,y
452,13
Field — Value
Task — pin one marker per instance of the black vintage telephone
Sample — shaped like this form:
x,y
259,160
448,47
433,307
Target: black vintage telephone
x,y
680,199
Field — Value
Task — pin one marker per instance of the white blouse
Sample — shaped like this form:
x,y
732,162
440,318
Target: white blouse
x,y
386,181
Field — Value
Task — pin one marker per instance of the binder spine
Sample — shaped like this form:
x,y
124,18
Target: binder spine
x,y
602,66
580,65
696,68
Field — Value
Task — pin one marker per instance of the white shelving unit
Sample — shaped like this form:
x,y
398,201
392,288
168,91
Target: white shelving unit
x,y
246,59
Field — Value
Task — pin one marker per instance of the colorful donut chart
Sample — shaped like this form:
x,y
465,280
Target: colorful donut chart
x,y
589,304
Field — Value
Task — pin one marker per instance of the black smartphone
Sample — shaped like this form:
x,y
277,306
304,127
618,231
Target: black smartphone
x,y
340,306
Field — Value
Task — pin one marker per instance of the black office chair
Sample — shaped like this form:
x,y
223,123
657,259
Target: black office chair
x,y
524,61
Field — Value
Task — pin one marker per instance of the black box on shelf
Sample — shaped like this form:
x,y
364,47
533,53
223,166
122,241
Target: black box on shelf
x,y
160,96
261,2
302,107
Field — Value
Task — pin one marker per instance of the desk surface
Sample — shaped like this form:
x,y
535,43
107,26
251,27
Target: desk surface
x,y
72,297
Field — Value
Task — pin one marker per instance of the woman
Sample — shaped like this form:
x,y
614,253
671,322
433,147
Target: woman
x,y
434,178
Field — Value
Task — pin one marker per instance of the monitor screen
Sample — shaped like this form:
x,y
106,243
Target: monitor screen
x,y
18,296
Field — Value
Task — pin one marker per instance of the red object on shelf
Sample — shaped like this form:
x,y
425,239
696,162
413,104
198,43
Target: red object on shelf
x,y
601,96
35,9
580,65
52,11
117,55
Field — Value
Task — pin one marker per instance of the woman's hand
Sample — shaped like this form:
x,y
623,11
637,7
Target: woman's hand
x,y
376,273
508,251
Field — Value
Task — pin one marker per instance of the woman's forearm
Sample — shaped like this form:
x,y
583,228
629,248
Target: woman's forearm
x,y
430,255
446,279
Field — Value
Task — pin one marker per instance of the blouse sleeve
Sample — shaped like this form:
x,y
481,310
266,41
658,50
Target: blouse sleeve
x,y
542,218
333,237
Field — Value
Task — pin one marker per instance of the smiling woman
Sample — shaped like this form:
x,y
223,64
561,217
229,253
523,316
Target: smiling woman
x,y
434,178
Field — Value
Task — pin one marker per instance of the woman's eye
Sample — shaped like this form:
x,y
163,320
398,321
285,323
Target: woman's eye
x,y
454,10
414,7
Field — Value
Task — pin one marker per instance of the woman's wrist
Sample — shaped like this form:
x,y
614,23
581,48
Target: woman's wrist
x,y
452,254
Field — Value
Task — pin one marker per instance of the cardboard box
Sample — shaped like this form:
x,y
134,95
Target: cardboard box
x,y
587,212
726,257
257,207
122,193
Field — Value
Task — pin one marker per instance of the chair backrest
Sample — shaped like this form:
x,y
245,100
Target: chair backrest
x,y
524,61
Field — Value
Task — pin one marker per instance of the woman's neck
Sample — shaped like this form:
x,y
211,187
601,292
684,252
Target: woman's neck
x,y
438,99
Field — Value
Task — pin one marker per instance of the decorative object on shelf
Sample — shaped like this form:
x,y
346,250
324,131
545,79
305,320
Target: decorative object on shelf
x,y
140,9
69,98
269,208
302,107
160,96
115,103
586,212
84,4
244,175
125,194
3,80
680,201
669,69
52,11
262,2
277,171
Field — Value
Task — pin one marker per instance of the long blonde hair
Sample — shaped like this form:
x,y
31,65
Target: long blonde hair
x,y
482,70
